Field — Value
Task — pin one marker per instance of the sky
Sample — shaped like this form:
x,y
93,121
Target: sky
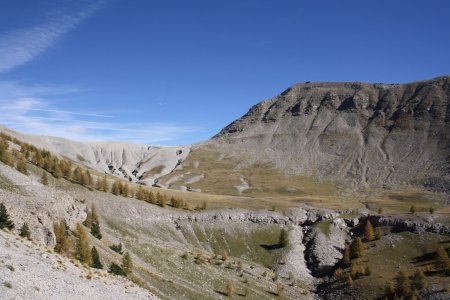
x,y
173,72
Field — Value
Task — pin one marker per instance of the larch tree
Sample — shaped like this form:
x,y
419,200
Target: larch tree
x,y
22,166
378,233
125,190
127,264
8,159
368,231
44,178
419,281
151,197
117,188
83,249
140,194
442,260
104,184
63,244
346,255
402,284
357,248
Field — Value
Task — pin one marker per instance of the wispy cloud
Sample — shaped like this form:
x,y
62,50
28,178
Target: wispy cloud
x,y
20,46
28,109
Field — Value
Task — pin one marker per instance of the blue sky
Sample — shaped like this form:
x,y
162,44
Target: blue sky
x,y
176,72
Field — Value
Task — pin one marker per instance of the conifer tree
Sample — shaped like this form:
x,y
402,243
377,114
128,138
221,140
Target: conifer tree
x,y
63,243
339,273
368,231
25,231
283,240
140,194
22,166
117,188
3,147
116,270
346,255
88,178
96,263
77,175
83,249
442,260
378,233
95,230
5,221
56,171
419,281
117,248
350,280
127,264
431,210
163,200
125,190
8,159
357,248
94,214
44,178
412,209
151,197
104,184
403,285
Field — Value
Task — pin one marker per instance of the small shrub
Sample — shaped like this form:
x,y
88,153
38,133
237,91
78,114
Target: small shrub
x,y
117,248
116,270
7,284
11,268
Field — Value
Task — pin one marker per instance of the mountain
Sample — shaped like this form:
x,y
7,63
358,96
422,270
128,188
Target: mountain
x,y
364,134
134,162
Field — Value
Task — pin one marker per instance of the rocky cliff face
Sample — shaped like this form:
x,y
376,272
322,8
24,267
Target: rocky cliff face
x,y
358,133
